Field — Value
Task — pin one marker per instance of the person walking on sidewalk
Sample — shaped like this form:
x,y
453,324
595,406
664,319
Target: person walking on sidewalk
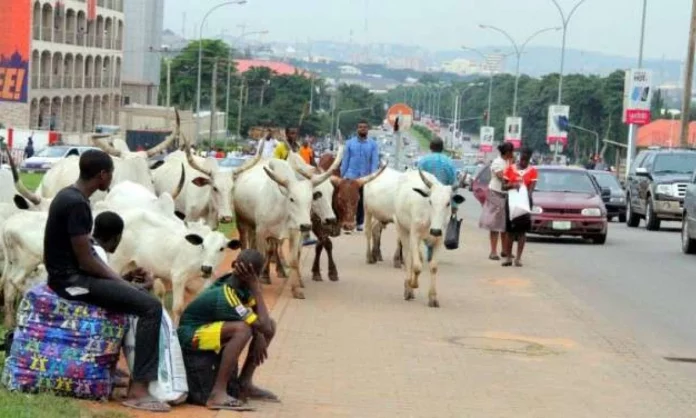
x,y
517,229
493,216
75,272
269,144
226,317
361,158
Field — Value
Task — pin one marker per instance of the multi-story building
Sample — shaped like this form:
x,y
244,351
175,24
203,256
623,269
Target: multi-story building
x,y
75,67
141,55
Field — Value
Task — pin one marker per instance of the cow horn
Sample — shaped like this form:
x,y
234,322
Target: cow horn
x,y
249,164
180,186
165,144
294,164
366,179
192,161
320,178
275,177
19,185
105,146
427,182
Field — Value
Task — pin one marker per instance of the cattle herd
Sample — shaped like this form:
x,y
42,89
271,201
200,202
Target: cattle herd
x,y
172,210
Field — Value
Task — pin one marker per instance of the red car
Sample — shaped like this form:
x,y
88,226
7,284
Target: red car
x,y
567,201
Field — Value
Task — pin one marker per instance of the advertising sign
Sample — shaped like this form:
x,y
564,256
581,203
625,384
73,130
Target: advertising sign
x,y
403,112
487,134
15,16
513,131
556,132
637,96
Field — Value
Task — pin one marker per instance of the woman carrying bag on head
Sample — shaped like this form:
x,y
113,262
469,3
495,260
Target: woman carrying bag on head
x,y
493,215
515,176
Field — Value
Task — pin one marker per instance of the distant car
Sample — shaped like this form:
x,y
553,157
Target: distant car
x,y
688,229
47,157
230,163
569,201
616,206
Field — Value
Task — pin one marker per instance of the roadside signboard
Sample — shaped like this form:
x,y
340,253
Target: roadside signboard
x,y
556,132
403,112
513,131
487,135
637,96
15,51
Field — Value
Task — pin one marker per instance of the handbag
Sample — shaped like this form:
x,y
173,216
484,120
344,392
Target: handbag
x,y
518,202
452,234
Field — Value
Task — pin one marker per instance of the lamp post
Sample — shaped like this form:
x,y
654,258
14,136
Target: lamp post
x,y
565,20
596,135
490,80
519,49
200,59
632,131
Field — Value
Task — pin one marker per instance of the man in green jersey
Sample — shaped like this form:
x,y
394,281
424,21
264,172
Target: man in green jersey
x,y
225,318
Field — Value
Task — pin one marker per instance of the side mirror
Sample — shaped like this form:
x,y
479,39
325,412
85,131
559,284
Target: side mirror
x,y
606,194
642,171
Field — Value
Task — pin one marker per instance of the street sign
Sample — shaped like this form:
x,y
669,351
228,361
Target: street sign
x,y
403,112
513,131
557,124
487,134
637,96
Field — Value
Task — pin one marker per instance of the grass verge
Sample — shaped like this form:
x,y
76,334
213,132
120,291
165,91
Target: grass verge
x,y
423,140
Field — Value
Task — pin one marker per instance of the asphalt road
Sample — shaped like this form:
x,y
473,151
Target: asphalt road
x,y
639,280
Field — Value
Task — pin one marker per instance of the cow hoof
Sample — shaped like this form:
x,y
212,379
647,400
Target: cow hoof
x,y
408,294
297,294
398,264
433,303
379,257
371,259
333,276
317,277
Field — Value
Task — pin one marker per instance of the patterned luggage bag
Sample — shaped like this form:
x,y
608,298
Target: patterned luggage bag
x,y
68,348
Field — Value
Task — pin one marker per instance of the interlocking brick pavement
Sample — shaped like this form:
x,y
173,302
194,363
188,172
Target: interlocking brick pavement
x,y
507,342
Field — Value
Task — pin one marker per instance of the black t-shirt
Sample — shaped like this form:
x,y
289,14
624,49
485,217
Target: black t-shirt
x,y
68,216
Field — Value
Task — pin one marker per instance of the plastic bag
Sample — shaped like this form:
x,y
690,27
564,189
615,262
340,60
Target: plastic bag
x,y
452,234
518,202
171,384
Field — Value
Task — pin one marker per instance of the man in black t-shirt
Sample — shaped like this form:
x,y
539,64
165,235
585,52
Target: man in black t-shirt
x,y
76,272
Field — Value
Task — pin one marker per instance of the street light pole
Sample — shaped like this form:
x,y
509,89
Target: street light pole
x,y
632,131
565,19
200,60
519,50
490,81
596,135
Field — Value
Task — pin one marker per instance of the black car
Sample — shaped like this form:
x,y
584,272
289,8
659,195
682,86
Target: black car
x,y
656,185
616,205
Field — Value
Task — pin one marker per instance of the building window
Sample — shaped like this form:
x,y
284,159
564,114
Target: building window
x,y
126,100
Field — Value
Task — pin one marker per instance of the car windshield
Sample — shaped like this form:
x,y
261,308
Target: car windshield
x,y
565,181
608,181
684,163
52,152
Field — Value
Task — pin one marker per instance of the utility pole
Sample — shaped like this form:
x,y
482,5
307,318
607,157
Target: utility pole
x,y
688,79
239,109
169,81
227,95
213,100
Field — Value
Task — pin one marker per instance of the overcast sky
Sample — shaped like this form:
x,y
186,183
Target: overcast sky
x,y
609,26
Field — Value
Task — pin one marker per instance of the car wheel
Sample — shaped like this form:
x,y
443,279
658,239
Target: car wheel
x,y
632,220
688,245
600,239
652,223
622,218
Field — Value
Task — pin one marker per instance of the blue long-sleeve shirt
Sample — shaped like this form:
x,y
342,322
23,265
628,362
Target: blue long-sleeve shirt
x,y
360,158
440,166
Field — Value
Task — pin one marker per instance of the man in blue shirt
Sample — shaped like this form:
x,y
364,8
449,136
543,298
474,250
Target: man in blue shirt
x,y
360,158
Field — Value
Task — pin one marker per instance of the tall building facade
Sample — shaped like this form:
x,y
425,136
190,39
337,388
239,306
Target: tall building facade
x,y
141,55
74,59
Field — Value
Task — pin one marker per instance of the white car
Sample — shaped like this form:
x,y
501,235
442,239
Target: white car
x,y
44,159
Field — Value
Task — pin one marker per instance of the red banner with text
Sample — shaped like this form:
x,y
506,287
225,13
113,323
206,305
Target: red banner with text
x,y
15,19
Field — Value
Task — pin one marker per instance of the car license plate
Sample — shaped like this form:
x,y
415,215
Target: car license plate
x,y
561,225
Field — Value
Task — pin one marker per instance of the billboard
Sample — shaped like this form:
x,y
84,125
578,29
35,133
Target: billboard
x,y
487,136
513,131
403,112
555,132
637,96
15,16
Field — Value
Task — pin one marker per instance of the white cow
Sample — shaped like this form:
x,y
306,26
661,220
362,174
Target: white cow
x,y
128,166
208,195
379,205
7,191
422,210
271,203
169,250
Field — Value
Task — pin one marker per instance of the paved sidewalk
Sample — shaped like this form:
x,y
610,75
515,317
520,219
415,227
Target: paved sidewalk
x,y
505,343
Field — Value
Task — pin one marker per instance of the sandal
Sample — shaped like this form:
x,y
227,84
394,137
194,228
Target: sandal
x,y
231,404
258,394
494,257
507,263
148,403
